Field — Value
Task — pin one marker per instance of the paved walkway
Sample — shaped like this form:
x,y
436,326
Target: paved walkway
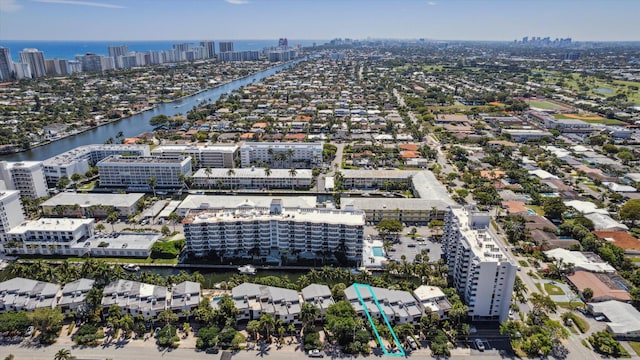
x,y
569,295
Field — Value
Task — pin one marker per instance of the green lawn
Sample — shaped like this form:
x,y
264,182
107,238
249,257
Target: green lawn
x,y
88,186
539,288
542,104
635,345
537,209
523,263
553,289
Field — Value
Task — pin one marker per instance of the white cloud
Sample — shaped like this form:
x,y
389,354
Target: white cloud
x,y
81,3
9,6
432,3
237,2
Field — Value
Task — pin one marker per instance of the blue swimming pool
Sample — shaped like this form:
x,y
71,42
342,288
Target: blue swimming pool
x,y
377,251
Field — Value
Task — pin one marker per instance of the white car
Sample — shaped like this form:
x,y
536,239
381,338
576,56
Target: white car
x,y
479,344
315,353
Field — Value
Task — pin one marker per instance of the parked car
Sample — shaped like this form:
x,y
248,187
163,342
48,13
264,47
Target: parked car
x,y
315,353
599,318
212,350
479,344
29,331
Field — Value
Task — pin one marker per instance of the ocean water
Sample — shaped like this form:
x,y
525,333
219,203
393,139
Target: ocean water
x,y
69,49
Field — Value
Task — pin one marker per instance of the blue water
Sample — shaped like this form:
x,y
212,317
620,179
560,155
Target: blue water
x,y
531,212
377,251
604,90
69,49
138,123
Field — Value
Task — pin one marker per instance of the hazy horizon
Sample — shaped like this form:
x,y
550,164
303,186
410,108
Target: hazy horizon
x,y
446,20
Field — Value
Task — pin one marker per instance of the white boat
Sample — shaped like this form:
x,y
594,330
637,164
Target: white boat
x,y
131,267
247,270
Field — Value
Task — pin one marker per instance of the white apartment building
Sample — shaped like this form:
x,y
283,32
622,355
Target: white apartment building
x,y
253,300
252,178
135,172
78,160
94,205
208,156
26,176
11,214
47,236
482,273
399,307
281,155
275,230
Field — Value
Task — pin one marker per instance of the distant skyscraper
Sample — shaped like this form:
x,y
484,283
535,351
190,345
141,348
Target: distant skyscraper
x,y
91,62
35,59
225,46
209,48
283,42
115,51
181,47
6,65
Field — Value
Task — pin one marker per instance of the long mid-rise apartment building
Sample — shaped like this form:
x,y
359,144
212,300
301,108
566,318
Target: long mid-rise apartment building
x,y
80,159
11,214
47,236
26,176
281,155
209,156
135,172
482,273
274,230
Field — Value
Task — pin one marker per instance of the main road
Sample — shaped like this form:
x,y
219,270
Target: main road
x,y
128,352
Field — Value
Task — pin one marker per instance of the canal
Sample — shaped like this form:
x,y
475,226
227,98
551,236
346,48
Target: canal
x,y
139,123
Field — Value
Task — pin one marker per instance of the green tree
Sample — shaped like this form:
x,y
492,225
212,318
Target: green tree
x,y
49,322
587,293
63,182
308,314
554,208
112,219
630,211
389,226
268,323
174,218
63,354
152,182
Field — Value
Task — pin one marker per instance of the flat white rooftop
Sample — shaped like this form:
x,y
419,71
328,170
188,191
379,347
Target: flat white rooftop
x,y
50,224
483,243
318,216
86,200
231,201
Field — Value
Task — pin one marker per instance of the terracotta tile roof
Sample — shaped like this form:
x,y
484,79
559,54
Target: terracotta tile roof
x,y
409,155
603,287
409,147
620,238
492,174
515,207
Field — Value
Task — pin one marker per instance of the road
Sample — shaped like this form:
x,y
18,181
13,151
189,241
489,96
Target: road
x,y
144,353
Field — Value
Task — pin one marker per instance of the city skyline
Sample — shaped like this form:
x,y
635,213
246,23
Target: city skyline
x,y
499,20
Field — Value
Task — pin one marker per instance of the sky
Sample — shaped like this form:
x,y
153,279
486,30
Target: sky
x,y
582,20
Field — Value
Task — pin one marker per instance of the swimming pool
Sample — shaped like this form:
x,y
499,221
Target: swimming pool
x,y
377,251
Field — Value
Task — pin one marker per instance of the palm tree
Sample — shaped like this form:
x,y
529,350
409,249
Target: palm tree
x,y
207,172
63,354
292,173
112,219
289,155
267,173
231,173
268,323
153,182
308,314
